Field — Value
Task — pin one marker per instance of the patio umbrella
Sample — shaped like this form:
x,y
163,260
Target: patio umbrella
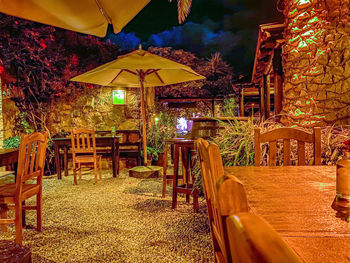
x,y
140,69
84,16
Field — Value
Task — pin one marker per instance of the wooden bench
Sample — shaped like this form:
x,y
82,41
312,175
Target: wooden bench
x,y
129,143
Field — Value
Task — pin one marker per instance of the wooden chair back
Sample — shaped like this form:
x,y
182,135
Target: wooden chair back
x,y
253,240
287,134
83,142
219,188
31,160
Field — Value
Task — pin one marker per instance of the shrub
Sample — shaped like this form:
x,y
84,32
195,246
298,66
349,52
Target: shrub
x,y
236,143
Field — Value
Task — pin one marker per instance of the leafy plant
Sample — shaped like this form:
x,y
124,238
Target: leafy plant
x,y
162,126
12,142
152,152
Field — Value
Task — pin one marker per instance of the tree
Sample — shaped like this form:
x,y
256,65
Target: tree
x,y
218,73
42,60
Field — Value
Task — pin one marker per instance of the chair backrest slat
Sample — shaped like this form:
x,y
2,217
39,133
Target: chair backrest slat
x,y
31,159
287,134
286,152
272,153
83,142
301,153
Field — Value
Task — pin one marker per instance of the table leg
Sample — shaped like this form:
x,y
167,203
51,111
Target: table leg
x,y
165,167
114,160
57,161
118,155
185,170
65,160
176,175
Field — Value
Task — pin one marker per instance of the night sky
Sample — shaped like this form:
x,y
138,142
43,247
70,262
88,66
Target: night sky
x,y
227,26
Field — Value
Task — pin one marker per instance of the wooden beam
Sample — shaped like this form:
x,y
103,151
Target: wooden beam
x,y
189,99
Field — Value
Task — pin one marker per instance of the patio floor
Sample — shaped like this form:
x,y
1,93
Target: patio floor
x,y
118,220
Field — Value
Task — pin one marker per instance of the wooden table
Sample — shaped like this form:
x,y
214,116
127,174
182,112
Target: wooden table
x,y
9,157
296,201
105,141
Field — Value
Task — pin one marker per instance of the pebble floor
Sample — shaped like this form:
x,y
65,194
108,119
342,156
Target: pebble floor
x,y
118,220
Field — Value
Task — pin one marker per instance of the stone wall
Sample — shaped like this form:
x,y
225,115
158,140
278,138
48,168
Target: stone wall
x,y
91,108
9,114
316,61
94,109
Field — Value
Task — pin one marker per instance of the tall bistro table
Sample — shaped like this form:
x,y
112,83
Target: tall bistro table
x,y
296,201
112,142
184,148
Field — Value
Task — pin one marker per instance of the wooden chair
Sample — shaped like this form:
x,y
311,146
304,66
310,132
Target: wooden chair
x,y
84,151
31,161
252,240
286,134
224,195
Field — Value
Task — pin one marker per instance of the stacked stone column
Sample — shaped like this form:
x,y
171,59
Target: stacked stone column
x,y
316,62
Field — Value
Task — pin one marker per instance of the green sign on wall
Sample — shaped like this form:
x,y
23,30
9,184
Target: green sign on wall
x,y
119,97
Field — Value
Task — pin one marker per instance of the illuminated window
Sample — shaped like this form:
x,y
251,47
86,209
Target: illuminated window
x,y
119,97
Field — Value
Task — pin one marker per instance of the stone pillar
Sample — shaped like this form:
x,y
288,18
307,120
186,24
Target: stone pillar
x,y
316,62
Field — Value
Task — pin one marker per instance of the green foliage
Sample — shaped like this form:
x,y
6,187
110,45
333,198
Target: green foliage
x,y
153,153
23,123
162,126
230,107
235,141
12,142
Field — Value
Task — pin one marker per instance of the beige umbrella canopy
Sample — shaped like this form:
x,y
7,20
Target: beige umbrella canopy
x,y
140,69
84,16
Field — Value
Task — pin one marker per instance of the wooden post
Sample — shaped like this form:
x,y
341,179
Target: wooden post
x,y
241,102
262,103
267,83
143,110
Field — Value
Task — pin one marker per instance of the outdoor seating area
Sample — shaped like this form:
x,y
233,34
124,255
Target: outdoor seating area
x,y
126,136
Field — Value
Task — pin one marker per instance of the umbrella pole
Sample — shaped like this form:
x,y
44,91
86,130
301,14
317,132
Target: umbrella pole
x,y
143,110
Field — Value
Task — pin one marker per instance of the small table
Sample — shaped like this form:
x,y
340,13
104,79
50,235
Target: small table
x,y
185,147
9,157
296,201
105,141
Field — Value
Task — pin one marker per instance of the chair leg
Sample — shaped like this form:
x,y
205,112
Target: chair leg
x,y
18,222
100,168
75,173
39,217
79,168
3,213
95,171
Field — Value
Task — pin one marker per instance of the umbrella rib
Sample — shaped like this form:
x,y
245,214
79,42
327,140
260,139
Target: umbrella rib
x,y
103,12
159,76
120,72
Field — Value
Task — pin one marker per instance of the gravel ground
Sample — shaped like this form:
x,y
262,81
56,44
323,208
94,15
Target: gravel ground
x,y
118,220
